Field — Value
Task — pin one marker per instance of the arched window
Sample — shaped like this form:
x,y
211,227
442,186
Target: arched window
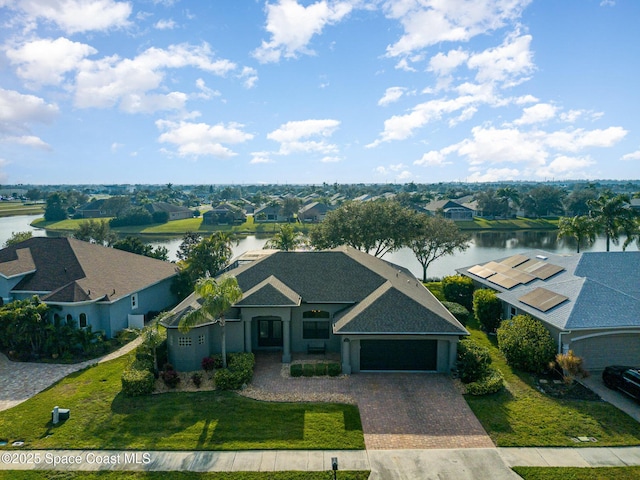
x,y
315,325
69,318
83,320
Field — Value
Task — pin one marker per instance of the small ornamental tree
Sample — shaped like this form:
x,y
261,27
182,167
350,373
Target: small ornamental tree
x,y
458,289
526,343
487,309
571,366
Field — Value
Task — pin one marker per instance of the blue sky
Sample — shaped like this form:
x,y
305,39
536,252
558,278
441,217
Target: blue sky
x,y
347,91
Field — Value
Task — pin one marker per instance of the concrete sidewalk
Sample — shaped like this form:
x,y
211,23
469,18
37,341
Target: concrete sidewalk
x,y
464,463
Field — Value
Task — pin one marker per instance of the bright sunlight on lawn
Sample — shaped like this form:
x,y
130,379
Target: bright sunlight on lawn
x,y
103,418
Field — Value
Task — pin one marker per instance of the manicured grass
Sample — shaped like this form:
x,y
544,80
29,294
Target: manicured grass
x,y
522,416
573,473
519,223
103,418
53,475
8,209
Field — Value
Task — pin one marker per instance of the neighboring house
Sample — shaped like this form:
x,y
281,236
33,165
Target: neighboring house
x,y
269,213
224,214
374,313
87,283
93,209
313,212
449,209
175,212
590,302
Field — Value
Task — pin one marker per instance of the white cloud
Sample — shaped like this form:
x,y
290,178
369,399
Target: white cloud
x,y
430,22
249,76
292,26
433,158
18,112
75,16
632,156
444,64
564,166
578,139
46,61
28,141
537,114
391,95
396,171
205,92
331,159
200,139
494,175
165,25
111,80
292,136
260,157
508,64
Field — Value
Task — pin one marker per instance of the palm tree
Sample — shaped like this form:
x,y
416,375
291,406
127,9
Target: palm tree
x,y
507,194
286,239
613,216
217,296
580,227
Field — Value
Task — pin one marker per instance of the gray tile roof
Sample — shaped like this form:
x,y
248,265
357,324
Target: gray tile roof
x,y
603,290
270,292
70,270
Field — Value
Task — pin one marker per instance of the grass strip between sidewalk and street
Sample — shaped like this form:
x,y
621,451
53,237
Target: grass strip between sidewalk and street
x,y
578,473
101,417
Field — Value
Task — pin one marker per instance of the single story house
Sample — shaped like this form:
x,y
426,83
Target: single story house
x,y
269,213
450,210
590,302
223,214
86,283
175,212
93,209
313,212
375,314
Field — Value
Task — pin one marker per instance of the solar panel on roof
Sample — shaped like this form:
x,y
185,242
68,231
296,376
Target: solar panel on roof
x,y
503,280
547,270
514,260
530,265
476,268
481,272
497,267
521,277
542,299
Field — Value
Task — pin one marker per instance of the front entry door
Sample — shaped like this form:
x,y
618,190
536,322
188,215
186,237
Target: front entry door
x,y
269,332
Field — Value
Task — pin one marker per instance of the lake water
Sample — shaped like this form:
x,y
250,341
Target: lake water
x,y
485,246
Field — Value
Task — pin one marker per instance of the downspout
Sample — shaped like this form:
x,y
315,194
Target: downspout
x,y
560,340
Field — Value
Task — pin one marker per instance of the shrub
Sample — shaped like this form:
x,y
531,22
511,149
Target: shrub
x,y
169,376
458,289
142,364
241,361
571,366
459,311
526,343
320,369
487,309
492,382
308,370
334,369
473,361
196,378
296,370
207,364
136,383
238,373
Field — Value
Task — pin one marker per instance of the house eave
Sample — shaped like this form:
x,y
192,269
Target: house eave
x,y
456,334
21,274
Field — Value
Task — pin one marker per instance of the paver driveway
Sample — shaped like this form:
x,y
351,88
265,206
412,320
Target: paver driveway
x,y
398,410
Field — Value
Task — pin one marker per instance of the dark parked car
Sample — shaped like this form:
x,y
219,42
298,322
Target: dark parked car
x,y
625,379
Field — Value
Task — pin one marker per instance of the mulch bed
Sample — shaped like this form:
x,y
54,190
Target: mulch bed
x,y
552,384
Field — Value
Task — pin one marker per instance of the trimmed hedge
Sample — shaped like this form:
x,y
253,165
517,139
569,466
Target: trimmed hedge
x,y
490,383
487,309
136,383
526,343
308,369
320,370
238,373
295,370
315,369
474,361
334,369
458,289
459,311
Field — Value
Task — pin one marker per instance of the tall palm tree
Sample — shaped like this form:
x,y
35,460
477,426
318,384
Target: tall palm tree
x,y
507,194
286,239
581,228
217,296
614,216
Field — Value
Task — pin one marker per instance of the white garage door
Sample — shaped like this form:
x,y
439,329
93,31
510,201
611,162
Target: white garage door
x,y
599,352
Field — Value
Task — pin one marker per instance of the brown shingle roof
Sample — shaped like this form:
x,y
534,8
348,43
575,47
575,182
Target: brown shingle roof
x,y
72,270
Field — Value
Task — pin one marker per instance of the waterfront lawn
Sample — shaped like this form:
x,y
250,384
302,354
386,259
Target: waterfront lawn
x,y
102,418
574,473
8,209
113,475
522,416
518,223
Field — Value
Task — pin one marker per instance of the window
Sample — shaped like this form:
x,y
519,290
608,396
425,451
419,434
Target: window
x,y
512,312
315,314
315,329
200,339
83,320
184,341
69,319
134,301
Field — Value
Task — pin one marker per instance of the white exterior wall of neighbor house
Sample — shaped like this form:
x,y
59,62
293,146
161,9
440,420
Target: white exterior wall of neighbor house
x,y
6,285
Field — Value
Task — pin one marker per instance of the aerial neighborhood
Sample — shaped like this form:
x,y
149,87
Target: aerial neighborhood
x,y
335,311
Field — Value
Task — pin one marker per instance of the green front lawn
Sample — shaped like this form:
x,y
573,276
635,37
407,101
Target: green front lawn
x,y
519,223
54,475
103,418
574,473
522,416
8,209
